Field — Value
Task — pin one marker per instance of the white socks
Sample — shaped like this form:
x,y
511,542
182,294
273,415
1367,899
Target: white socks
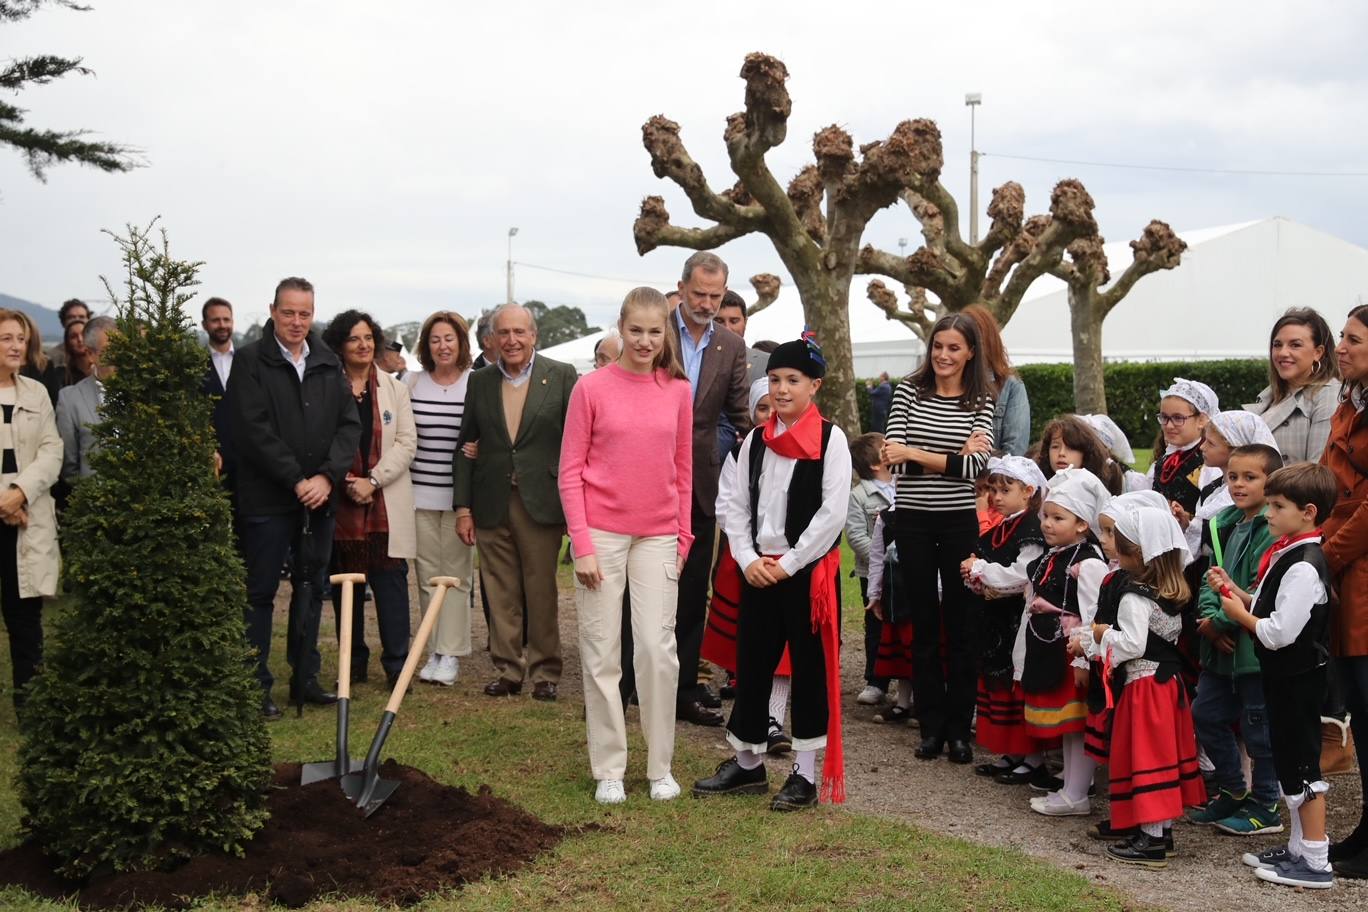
x,y
779,694
1078,769
748,759
807,764
1316,854
904,693
1154,830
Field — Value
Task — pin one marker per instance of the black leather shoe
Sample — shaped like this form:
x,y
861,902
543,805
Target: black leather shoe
x,y
1351,845
697,714
269,711
1018,776
315,694
1140,849
544,691
1355,868
731,779
1042,780
961,752
707,698
777,742
929,749
502,688
728,691
797,794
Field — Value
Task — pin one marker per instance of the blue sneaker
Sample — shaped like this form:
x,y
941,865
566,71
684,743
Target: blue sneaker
x,y
1251,817
1269,858
1221,806
1297,874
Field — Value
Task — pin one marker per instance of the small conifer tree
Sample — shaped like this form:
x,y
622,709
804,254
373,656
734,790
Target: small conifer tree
x,y
143,739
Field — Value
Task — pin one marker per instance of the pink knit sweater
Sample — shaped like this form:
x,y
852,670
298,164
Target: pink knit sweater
x,y
626,462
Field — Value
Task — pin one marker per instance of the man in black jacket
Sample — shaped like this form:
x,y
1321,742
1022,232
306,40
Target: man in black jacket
x,y
295,428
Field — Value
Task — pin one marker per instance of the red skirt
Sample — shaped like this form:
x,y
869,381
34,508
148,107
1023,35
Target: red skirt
x,y
1154,772
1062,711
719,634
894,658
1001,726
1097,735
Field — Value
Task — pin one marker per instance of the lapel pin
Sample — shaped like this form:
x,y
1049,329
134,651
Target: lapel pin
x,y
543,381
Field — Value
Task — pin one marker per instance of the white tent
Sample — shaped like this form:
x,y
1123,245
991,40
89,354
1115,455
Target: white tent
x,y
577,352
1233,283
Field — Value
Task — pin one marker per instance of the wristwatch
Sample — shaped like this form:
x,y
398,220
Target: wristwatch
x,y
374,483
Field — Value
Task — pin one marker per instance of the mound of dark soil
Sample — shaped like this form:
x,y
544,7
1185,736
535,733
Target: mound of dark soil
x,y
426,838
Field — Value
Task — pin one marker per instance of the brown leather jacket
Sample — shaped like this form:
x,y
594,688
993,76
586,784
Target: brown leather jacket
x,y
1346,531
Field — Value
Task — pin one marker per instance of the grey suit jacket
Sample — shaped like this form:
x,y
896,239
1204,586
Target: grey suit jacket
x,y
78,411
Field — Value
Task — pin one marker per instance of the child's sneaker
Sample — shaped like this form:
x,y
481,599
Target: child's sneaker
x,y
1218,808
1140,849
870,696
1269,858
1251,817
1297,873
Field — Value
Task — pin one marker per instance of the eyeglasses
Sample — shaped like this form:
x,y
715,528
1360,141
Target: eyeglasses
x,y
1175,420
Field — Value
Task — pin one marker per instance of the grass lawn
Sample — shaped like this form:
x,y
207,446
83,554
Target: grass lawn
x,y
687,854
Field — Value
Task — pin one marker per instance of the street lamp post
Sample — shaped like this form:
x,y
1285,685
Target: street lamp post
x,y
511,233
972,100
902,247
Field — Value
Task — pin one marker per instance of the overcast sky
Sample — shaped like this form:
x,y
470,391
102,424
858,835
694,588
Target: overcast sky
x,y
383,150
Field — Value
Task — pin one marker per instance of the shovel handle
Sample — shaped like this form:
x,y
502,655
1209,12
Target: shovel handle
x,y
440,585
344,636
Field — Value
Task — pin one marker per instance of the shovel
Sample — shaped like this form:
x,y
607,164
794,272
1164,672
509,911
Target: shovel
x,y
366,788
336,769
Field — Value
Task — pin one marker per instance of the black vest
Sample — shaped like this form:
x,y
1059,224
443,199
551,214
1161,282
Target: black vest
x,y
804,493
1177,480
1047,656
1312,646
999,618
1161,651
897,608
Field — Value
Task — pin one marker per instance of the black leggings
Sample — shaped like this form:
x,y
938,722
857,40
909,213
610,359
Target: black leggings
x,y
943,682
23,616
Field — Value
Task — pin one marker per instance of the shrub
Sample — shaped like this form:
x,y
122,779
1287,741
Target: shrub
x,y
143,738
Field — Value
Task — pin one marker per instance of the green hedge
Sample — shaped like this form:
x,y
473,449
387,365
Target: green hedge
x,y
1132,390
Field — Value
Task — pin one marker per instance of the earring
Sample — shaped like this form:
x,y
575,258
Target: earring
x,y
1315,367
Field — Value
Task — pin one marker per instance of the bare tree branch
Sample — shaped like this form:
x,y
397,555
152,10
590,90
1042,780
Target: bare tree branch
x,y
766,287
652,229
1158,248
914,318
670,159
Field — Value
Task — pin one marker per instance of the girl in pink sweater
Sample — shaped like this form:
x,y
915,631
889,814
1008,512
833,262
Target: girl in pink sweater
x,y
625,483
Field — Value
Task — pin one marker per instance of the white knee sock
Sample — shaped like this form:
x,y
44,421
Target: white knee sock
x,y
1294,838
807,765
904,693
779,692
748,759
1078,768
1316,854
1153,830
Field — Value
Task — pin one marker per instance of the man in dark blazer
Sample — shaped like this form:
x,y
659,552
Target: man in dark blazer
x,y
715,361
507,499
216,316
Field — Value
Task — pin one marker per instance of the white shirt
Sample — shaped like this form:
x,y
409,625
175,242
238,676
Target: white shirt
x,y
522,376
1299,592
1128,637
726,481
1091,572
297,365
223,363
776,472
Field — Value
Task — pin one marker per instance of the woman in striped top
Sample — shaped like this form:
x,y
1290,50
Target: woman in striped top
x,y
438,392
939,434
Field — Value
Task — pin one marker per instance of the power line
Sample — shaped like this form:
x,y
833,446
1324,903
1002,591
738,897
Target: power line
x,y
1256,172
588,275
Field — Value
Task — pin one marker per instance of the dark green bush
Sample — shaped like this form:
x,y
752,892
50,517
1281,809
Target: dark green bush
x,y
143,738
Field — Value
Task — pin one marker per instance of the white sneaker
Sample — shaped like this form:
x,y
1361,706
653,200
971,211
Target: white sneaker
x,y
665,789
429,671
448,669
870,696
610,791
1057,804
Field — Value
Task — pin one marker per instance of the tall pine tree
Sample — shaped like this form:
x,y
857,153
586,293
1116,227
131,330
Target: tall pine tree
x,y
143,739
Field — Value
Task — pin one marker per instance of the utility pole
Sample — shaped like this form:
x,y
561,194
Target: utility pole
x,y
972,100
511,233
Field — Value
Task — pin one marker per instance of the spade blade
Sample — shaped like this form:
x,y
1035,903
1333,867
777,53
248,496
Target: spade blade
x,y
327,769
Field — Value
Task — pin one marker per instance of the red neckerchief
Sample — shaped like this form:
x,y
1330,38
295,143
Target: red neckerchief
x,y
802,440
1168,469
1003,531
1281,544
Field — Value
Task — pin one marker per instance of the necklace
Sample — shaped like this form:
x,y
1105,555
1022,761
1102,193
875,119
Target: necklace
x,y
1002,532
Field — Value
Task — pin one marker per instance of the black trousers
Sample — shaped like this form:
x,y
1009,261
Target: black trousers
x,y
873,632
771,618
934,544
23,616
391,617
693,603
1294,726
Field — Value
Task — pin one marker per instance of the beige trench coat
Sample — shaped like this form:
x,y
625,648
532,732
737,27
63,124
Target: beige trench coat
x,y
398,445
38,452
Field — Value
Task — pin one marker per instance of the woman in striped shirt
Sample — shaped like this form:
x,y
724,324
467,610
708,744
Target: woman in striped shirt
x,y
438,393
939,434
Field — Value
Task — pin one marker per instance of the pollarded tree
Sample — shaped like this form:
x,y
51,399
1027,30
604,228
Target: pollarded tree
x,y
143,738
816,224
766,287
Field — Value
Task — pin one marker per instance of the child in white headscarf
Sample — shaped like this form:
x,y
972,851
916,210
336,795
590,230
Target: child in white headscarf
x,y
1120,449
1225,432
1185,409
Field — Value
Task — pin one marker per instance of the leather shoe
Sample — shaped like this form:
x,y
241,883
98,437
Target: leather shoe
x,y
502,688
698,714
796,795
269,711
544,691
707,698
315,694
731,779
961,752
929,749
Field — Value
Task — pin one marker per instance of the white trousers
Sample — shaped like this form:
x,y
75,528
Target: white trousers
x,y
442,553
647,566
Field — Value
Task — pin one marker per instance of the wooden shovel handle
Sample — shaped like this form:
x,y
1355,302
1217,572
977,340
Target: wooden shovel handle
x,y
344,635
440,585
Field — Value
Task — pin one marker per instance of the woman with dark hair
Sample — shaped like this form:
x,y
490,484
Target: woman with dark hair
x,y
439,392
1012,411
77,358
1303,385
939,434
374,532
1345,543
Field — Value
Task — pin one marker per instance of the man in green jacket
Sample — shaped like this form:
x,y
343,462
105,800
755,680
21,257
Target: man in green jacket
x,y
1230,690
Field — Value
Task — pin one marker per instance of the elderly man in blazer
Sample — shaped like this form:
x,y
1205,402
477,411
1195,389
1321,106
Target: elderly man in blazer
x,y
715,360
78,405
507,500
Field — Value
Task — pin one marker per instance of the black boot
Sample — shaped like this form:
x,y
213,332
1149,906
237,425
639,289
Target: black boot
x,y
1141,849
1353,844
313,693
797,794
731,779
